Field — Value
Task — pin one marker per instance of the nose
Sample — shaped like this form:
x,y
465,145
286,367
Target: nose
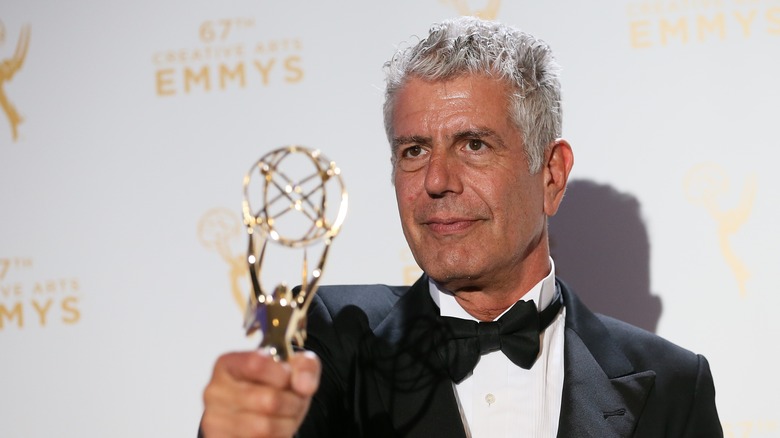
x,y
442,175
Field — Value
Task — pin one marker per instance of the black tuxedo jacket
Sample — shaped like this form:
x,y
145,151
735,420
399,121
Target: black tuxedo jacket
x,y
383,376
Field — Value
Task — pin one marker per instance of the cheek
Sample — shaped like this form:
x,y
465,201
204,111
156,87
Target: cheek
x,y
517,203
405,201
405,193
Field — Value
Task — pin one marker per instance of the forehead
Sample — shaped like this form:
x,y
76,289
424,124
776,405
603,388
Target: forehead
x,y
462,100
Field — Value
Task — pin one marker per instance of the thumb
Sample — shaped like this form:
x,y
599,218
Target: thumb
x,y
306,370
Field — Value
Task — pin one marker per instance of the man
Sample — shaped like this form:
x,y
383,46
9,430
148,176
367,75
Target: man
x,y
473,117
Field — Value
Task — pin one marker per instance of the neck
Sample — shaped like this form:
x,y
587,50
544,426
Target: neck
x,y
487,303
483,307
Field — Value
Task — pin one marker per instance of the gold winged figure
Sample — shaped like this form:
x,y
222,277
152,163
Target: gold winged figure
x,y
489,11
9,67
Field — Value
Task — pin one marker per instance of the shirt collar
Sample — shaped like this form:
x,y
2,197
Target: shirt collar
x,y
542,292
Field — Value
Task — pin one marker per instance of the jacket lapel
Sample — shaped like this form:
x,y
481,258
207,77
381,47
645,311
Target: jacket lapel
x,y
603,396
411,380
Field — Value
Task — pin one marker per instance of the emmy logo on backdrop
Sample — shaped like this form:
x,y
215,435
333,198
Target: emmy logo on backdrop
x,y
287,202
488,12
8,68
219,230
705,185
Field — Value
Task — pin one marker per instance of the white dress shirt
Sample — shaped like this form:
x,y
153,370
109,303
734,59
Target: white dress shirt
x,y
500,399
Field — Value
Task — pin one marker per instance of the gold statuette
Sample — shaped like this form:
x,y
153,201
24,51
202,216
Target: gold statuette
x,y
287,201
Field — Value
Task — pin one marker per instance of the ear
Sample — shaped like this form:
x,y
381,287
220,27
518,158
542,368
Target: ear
x,y
558,161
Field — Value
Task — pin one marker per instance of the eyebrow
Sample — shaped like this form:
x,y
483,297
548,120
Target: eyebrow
x,y
474,133
459,136
412,139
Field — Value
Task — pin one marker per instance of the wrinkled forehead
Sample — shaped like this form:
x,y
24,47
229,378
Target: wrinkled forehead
x,y
477,93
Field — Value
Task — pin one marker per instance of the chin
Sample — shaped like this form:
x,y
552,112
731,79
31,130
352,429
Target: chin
x,y
448,275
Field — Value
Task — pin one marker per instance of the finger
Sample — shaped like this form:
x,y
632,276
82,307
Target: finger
x,y
269,401
254,367
252,395
239,384
218,424
256,398
306,371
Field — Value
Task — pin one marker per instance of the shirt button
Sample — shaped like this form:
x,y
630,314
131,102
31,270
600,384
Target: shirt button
x,y
490,399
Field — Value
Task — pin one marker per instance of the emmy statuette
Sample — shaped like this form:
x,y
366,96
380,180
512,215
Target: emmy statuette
x,y
293,197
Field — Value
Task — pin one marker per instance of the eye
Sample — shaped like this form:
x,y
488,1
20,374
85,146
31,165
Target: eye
x,y
476,145
412,152
411,158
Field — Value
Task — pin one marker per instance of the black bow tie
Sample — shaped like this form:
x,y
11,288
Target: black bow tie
x,y
516,334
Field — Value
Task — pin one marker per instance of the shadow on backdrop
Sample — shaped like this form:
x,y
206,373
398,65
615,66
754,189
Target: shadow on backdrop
x,y
601,249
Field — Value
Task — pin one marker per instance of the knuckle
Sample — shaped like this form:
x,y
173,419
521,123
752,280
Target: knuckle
x,y
223,360
222,366
271,402
267,401
208,394
211,393
260,426
255,363
207,422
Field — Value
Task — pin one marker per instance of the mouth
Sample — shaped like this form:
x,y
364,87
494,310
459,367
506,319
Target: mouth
x,y
449,226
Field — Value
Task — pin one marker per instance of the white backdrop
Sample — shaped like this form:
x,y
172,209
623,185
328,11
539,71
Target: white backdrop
x,y
137,121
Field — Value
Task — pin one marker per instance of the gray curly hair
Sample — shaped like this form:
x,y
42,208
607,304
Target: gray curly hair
x,y
469,45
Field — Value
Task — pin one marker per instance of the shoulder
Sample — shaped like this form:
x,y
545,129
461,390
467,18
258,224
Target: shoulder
x,y
648,350
368,311
610,340
683,392
372,301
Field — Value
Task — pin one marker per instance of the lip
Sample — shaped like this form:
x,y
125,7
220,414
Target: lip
x,y
449,226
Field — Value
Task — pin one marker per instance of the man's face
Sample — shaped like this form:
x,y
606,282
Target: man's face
x,y
473,215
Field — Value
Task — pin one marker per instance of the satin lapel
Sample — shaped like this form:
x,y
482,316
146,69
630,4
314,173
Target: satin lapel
x,y
603,396
412,383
